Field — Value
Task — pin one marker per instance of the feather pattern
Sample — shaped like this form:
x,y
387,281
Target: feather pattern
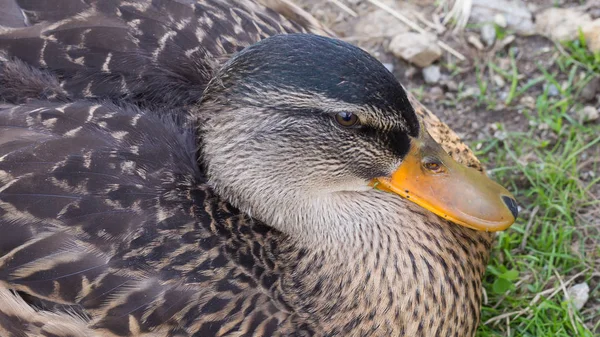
x,y
153,53
94,222
107,220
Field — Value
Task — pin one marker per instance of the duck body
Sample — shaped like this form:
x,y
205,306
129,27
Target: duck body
x,y
111,227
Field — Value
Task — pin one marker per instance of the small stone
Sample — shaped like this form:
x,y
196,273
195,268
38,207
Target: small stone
x,y
527,101
588,93
451,86
432,74
499,81
552,89
591,32
470,91
578,294
419,49
588,114
436,93
475,42
410,72
500,20
500,135
561,24
488,34
389,67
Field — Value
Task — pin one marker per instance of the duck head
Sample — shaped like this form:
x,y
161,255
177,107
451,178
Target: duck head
x,y
298,125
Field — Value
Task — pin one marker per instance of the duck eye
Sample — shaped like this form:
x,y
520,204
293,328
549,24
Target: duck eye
x,y
433,164
346,119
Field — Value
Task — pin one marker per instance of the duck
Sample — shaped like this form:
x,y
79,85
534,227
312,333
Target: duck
x,y
213,168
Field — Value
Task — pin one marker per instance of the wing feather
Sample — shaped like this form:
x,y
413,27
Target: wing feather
x,y
103,209
152,53
107,212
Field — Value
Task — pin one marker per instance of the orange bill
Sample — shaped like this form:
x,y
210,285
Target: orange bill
x,y
429,177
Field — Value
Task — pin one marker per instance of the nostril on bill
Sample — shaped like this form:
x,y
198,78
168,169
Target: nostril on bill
x,y
512,205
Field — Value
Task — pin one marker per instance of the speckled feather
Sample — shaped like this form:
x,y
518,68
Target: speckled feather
x,y
95,222
147,52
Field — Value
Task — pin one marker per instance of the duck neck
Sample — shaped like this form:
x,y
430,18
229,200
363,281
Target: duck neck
x,y
388,268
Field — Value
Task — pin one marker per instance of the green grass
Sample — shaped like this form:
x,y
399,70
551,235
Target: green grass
x,y
553,244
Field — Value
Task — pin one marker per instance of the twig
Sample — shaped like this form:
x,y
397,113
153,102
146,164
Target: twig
x,y
485,296
564,289
507,314
552,291
587,162
345,8
426,22
528,227
416,27
437,21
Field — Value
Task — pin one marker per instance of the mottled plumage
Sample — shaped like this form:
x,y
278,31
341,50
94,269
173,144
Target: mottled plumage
x,y
109,222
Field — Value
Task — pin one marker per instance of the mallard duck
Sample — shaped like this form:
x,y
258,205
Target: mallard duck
x,y
183,168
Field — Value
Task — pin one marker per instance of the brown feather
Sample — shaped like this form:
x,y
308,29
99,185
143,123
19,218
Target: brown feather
x,y
105,212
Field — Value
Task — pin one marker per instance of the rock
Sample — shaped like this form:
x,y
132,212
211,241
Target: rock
x,y
591,31
552,89
451,86
475,42
588,114
578,294
421,50
588,93
436,93
514,12
527,101
561,24
543,126
501,135
411,72
432,74
500,20
488,34
470,91
499,81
